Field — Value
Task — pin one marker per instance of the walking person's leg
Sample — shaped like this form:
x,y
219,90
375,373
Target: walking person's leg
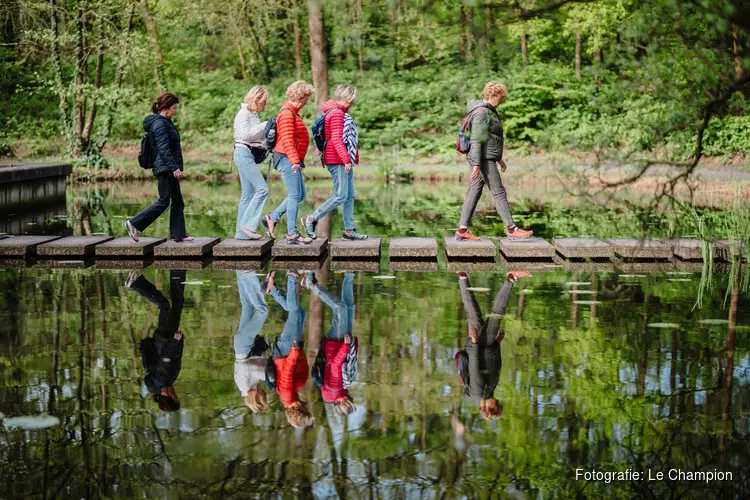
x,y
347,297
244,162
338,308
177,279
473,312
490,333
148,215
491,175
177,229
473,194
339,196
347,211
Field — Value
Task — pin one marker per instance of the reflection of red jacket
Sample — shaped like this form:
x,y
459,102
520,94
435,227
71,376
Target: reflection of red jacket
x,y
333,381
336,152
291,375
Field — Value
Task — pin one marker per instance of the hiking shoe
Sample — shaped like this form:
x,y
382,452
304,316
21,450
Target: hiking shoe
x,y
269,226
132,276
516,233
250,234
512,276
354,235
297,239
309,227
309,279
466,236
132,231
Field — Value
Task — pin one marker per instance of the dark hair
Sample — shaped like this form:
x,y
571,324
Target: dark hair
x,y
166,403
164,101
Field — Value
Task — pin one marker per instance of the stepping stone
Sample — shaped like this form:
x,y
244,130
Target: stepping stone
x,y
416,266
197,248
685,248
16,263
72,246
23,246
530,248
467,266
725,249
233,248
123,263
694,266
126,247
583,248
183,264
3,235
584,266
634,248
645,267
482,249
65,264
359,249
351,266
529,265
242,265
298,264
311,251
413,248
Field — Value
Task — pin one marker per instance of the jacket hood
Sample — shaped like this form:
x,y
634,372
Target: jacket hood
x,y
474,104
332,103
150,119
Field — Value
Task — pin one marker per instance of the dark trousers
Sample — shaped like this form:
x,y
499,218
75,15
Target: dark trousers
x,y
169,316
169,190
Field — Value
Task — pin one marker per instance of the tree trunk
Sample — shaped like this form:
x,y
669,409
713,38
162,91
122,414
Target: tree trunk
x,y
524,47
153,36
394,34
578,55
361,19
242,60
490,37
470,33
739,71
297,40
79,102
119,75
462,30
57,68
318,55
261,53
89,126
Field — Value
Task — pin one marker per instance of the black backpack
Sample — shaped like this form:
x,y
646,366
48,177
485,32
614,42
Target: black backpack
x,y
270,131
319,131
146,155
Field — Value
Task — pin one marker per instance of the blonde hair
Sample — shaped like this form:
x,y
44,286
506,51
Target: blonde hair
x,y
345,93
299,416
344,406
254,96
299,91
493,89
256,400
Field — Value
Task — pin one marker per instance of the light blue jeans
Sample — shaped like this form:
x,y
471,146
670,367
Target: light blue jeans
x,y
295,321
254,192
343,310
295,188
343,194
254,312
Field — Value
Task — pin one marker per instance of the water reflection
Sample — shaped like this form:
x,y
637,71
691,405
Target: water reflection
x,y
162,352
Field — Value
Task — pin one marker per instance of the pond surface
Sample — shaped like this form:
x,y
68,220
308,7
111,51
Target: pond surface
x,y
628,374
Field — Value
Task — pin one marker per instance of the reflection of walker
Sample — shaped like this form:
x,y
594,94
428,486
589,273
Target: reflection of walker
x,y
335,367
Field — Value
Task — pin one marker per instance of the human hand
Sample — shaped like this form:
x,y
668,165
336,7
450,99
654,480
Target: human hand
x,y
474,172
348,168
474,335
347,339
296,168
503,166
177,174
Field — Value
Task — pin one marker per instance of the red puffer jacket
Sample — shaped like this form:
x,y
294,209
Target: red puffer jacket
x,y
292,138
336,153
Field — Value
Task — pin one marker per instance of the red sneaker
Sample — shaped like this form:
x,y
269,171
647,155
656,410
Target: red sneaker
x,y
514,275
466,235
519,234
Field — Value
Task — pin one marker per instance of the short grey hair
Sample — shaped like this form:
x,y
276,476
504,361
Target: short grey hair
x,y
346,93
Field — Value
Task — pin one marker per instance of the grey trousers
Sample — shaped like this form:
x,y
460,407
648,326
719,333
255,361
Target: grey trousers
x,y
487,329
489,174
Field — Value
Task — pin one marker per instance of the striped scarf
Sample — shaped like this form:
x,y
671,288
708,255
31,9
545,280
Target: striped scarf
x,y
351,136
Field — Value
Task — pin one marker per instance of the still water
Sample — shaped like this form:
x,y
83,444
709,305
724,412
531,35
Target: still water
x,y
625,374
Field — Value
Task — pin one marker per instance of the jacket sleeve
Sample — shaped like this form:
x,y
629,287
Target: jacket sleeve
x,y
478,139
161,141
301,371
250,129
338,360
336,121
285,133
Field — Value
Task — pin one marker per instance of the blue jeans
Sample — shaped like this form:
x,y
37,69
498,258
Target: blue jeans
x,y
343,194
343,310
254,192
254,312
295,321
295,188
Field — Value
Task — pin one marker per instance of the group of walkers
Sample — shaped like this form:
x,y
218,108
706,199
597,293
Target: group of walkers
x,y
287,140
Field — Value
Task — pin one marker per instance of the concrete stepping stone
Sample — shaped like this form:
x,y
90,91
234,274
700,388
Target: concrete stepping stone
x,y
468,266
685,248
182,264
482,249
233,248
22,247
122,264
72,246
416,266
17,263
529,248
126,247
195,249
413,248
633,248
299,264
725,249
351,266
583,248
242,265
645,267
528,265
65,264
359,249
310,251
584,266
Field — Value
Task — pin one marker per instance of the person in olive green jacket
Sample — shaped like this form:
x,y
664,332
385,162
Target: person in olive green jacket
x,y
485,158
